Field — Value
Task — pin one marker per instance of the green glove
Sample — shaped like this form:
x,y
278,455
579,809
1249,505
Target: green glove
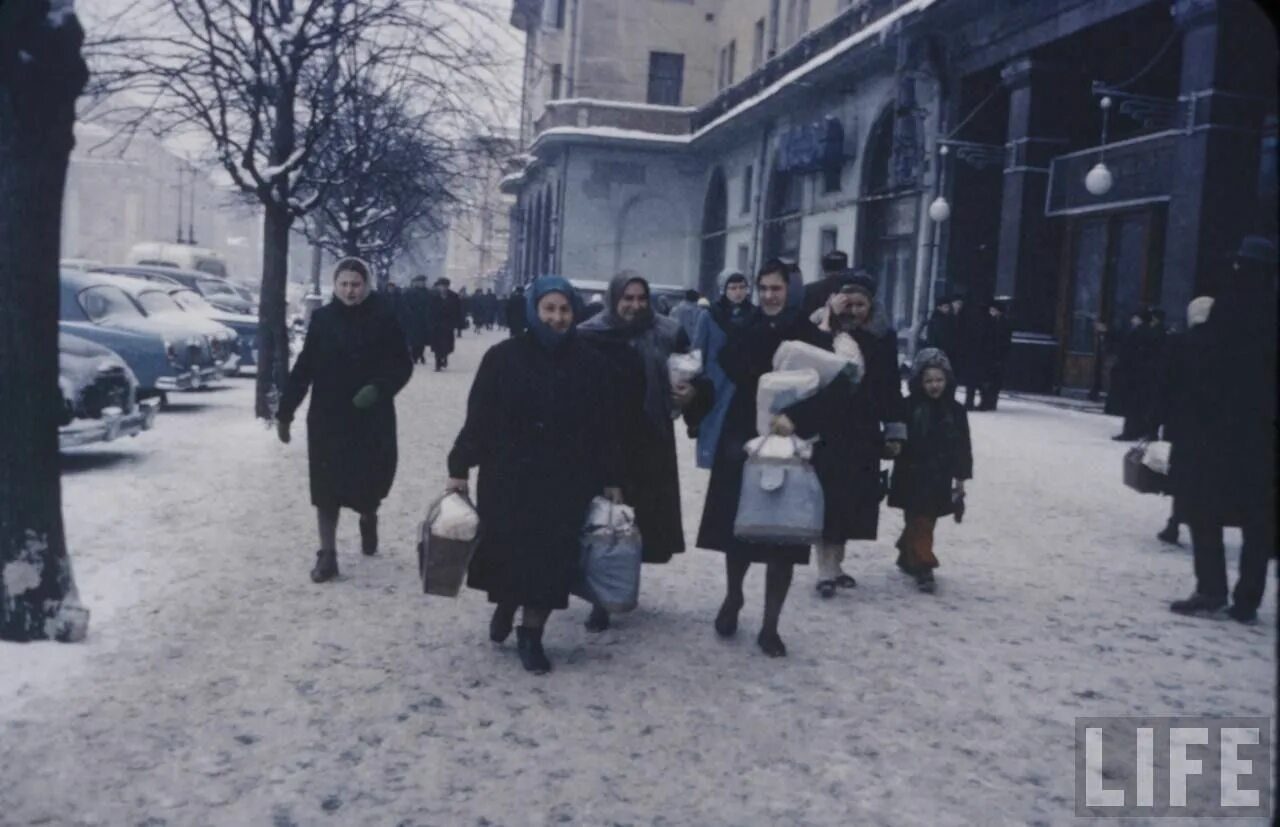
x,y
365,398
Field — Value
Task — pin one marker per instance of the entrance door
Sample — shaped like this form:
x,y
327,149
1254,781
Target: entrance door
x,y
1111,273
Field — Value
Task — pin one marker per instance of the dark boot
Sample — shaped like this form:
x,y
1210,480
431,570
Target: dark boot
x,y
598,620
727,618
504,618
1199,605
771,643
1169,534
925,581
529,646
326,566
369,534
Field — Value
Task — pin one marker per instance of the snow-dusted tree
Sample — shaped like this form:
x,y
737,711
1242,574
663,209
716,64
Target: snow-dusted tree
x,y
382,174
41,75
261,81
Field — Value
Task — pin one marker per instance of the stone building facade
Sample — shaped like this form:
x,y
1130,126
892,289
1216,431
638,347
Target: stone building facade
x,y
800,127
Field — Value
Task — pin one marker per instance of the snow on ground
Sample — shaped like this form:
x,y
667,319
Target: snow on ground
x,y
219,686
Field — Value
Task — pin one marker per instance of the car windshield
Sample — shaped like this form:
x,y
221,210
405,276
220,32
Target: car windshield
x,y
191,300
157,301
216,288
102,302
211,266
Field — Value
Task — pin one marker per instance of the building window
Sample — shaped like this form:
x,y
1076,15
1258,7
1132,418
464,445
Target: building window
x,y
744,258
832,178
555,15
828,240
724,53
804,19
757,46
666,78
775,17
731,63
557,79
748,182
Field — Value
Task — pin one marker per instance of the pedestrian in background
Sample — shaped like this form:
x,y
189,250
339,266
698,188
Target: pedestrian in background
x,y
686,313
858,429
416,303
540,427
731,312
1185,412
1135,378
835,264
637,344
930,473
517,318
354,361
445,313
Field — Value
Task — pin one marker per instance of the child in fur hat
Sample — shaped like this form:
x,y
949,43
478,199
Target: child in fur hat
x,y
929,475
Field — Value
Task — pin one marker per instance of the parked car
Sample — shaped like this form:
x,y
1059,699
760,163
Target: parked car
x,y
218,291
155,299
82,264
99,395
181,256
164,355
245,326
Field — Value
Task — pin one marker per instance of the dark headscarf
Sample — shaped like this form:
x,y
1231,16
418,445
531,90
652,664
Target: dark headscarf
x,y
726,312
541,332
652,337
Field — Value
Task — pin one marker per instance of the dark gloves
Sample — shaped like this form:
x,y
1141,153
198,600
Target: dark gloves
x,y
282,430
365,398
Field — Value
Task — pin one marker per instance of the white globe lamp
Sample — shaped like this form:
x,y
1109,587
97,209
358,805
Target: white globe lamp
x,y
939,210
1099,180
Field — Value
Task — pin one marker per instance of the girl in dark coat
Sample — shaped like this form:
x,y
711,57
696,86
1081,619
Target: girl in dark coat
x,y
540,427
930,472
858,429
637,343
746,356
354,360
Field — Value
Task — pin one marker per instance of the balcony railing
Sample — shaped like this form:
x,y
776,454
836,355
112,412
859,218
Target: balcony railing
x,y
851,20
584,113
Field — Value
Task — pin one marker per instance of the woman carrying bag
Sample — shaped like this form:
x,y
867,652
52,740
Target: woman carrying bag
x,y
746,356
541,429
354,361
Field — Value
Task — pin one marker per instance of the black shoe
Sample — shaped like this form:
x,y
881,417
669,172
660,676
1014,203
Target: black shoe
x,y
846,581
1169,534
529,646
500,624
369,535
827,588
771,644
326,567
1124,438
727,618
598,620
1238,613
1198,605
925,581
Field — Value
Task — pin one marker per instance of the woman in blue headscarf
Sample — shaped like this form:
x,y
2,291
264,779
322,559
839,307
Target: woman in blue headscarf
x,y
540,428
746,356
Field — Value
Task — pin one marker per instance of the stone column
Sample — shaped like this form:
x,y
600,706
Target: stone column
x,y
1027,263
1228,70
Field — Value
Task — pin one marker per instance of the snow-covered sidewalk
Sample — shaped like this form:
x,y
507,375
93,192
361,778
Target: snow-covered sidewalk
x,y
219,686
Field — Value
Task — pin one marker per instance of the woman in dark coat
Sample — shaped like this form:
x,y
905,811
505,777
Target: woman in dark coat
x,y
541,429
934,464
746,356
444,318
354,360
858,429
637,343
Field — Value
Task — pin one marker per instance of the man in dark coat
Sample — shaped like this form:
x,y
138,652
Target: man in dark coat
x,y
637,342
415,303
1238,404
444,312
517,321
834,266
540,426
996,342
354,361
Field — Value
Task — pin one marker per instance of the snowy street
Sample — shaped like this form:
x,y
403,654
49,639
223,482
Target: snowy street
x,y
219,686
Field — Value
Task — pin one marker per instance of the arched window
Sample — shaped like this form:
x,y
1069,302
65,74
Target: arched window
x,y
715,217
887,243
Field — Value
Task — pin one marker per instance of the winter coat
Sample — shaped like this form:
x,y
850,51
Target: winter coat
x,y
637,356
351,452
1191,413
938,449
1135,377
416,303
517,322
746,356
540,427
854,427
445,314
686,314
942,332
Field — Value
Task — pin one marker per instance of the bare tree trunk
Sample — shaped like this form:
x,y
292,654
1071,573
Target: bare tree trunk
x,y
273,329
41,75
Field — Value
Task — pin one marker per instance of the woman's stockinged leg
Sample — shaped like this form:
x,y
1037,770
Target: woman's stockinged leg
x,y
534,618
327,522
776,585
735,574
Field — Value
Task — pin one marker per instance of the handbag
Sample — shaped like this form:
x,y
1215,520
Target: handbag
x,y
447,539
781,500
609,566
1139,477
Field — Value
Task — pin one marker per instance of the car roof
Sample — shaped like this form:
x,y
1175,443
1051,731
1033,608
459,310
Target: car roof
x,y
174,274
